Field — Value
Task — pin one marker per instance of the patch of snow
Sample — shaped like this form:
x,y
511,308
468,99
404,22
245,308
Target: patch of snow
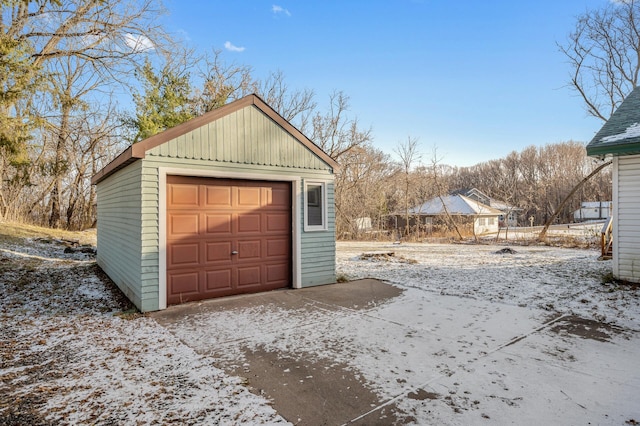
x,y
632,131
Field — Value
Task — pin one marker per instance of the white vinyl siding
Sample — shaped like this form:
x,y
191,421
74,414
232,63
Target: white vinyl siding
x,y
626,256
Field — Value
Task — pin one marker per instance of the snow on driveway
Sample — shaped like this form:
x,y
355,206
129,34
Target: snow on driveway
x,y
527,338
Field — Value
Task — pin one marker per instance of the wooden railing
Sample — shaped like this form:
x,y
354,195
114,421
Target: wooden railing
x,y
606,240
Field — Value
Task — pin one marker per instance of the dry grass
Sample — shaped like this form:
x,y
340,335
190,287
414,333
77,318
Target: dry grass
x,y
14,231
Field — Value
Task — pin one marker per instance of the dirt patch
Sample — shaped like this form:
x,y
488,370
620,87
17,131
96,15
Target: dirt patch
x,y
421,395
587,328
312,392
386,257
506,250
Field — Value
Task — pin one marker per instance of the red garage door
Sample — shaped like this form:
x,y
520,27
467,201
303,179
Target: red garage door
x,y
226,237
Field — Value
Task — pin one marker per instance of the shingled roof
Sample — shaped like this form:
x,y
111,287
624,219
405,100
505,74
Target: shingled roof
x,y
620,135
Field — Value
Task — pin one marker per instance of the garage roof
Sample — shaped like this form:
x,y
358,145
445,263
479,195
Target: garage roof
x,y
138,150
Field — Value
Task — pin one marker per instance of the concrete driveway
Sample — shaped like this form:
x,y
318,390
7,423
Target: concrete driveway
x,y
366,352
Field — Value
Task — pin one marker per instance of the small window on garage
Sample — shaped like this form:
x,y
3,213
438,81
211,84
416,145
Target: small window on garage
x,y
315,212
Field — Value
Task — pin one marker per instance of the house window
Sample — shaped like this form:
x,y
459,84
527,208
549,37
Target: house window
x,y
490,221
315,212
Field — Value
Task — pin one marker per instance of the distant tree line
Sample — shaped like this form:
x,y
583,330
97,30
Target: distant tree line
x,y
66,66
535,180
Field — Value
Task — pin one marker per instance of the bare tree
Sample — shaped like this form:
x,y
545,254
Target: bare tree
x,y
543,232
603,52
441,190
408,154
334,131
361,190
294,106
81,49
222,82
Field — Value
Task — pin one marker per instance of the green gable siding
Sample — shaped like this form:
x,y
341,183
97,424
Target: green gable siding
x,y
246,136
119,221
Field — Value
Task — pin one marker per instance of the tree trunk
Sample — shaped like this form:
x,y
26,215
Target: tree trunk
x,y
543,233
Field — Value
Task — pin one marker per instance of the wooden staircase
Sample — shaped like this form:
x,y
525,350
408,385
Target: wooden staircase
x,y
606,240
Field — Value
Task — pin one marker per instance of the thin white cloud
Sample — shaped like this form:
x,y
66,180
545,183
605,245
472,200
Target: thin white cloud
x,y
138,43
232,48
279,9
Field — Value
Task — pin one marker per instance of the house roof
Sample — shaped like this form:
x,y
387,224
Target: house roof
x,y
456,205
475,193
138,150
620,135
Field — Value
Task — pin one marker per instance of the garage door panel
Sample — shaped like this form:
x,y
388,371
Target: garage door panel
x,y
249,197
219,223
218,252
252,218
184,283
249,250
218,197
184,254
184,196
277,273
249,222
277,247
277,222
183,224
249,276
279,197
219,279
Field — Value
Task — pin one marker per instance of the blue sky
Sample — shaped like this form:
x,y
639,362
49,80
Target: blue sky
x,y
473,79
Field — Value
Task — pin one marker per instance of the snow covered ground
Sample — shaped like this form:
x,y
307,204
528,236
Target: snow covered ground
x,y
551,278
532,337
70,355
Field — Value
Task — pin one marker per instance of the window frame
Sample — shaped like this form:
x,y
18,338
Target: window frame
x,y
322,201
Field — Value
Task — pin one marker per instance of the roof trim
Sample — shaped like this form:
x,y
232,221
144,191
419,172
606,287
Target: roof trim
x,y
613,149
138,150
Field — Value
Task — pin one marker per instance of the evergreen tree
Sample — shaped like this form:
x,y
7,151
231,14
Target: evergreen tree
x,y
165,103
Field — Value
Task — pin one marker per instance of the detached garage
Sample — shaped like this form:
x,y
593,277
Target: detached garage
x,y
234,201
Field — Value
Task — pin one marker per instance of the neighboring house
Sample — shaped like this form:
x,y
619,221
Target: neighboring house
x,y
619,139
234,201
592,210
363,223
485,218
509,216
